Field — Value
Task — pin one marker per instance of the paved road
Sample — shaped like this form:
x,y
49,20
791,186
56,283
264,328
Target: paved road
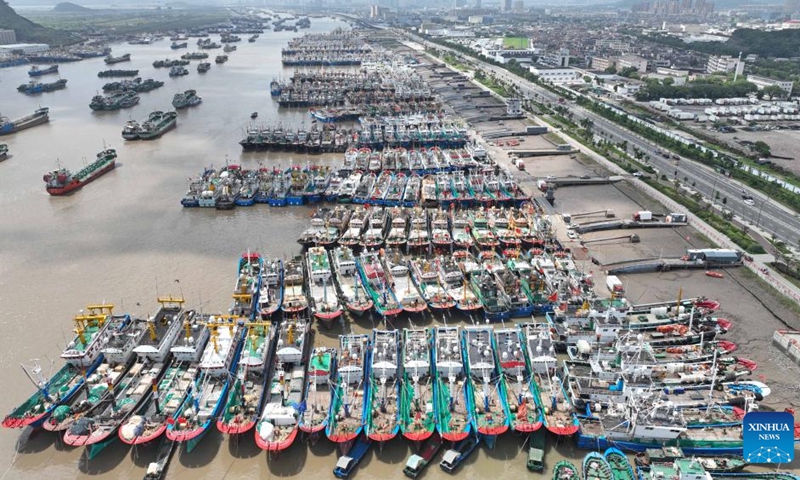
x,y
769,216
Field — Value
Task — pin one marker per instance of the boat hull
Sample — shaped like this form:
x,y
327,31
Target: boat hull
x,y
76,184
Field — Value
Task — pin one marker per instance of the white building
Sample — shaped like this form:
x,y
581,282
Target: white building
x,y
557,76
761,82
514,107
25,48
632,61
721,64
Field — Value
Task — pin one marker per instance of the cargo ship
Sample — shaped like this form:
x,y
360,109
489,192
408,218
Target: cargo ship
x,y
8,126
123,58
36,71
33,87
62,181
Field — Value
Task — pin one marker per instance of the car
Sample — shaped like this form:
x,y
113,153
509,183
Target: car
x,y
550,177
585,177
572,235
637,174
750,202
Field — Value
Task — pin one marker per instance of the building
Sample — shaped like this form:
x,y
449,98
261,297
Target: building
x,y
7,37
721,64
558,59
632,61
715,255
603,63
761,82
24,48
519,6
556,75
506,6
514,107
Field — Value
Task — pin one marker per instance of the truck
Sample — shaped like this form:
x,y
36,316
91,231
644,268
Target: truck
x,y
643,216
614,285
520,164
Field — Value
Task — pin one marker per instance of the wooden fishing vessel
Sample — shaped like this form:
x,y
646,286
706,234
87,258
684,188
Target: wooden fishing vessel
x,y
481,232
348,406
246,394
375,235
382,412
440,230
425,275
417,406
450,391
399,277
523,402
280,417
245,292
398,232
418,237
270,294
358,223
461,230
620,466
713,464
348,283
325,304
487,388
295,300
318,392
150,423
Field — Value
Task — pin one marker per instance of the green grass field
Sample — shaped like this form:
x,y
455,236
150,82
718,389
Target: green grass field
x,y
516,43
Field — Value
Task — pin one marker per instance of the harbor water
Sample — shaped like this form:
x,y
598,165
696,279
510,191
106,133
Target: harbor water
x,y
125,239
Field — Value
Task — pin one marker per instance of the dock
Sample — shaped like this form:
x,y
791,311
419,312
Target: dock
x,y
788,341
646,265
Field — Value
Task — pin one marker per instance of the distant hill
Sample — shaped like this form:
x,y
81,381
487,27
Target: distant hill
x,y
29,32
68,7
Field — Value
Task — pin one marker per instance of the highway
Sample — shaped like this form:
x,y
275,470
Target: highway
x,y
766,215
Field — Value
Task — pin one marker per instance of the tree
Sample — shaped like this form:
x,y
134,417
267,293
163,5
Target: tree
x,y
774,91
724,200
668,81
587,79
762,148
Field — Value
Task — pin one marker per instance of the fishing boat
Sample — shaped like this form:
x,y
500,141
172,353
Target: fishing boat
x,y
158,470
247,287
63,181
322,292
84,356
38,72
595,467
247,392
156,125
99,425
426,278
620,466
364,188
496,304
485,239
713,464
348,282
399,278
519,303
522,397
417,405
487,388
377,228
358,222
348,463
337,222
394,195
294,287
270,295
377,284
462,238
440,230
412,191
381,186
3,151
451,398
452,279
558,418
398,230
350,388
208,395
284,402
564,470
349,186
382,412
417,463
149,423
318,392
418,236
461,451
100,385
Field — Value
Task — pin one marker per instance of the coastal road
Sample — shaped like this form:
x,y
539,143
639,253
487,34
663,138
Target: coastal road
x,y
766,215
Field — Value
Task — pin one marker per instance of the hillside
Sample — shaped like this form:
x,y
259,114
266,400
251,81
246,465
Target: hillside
x,y
69,7
779,43
29,32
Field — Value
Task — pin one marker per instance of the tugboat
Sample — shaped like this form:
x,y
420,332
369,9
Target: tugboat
x,y
324,303
378,285
487,387
348,407
62,181
318,393
247,393
40,116
522,397
452,408
294,288
204,402
184,339
350,289
382,412
270,296
279,422
83,356
417,406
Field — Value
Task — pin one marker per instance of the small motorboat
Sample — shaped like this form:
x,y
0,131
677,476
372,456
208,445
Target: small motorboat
x,y
709,273
254,115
